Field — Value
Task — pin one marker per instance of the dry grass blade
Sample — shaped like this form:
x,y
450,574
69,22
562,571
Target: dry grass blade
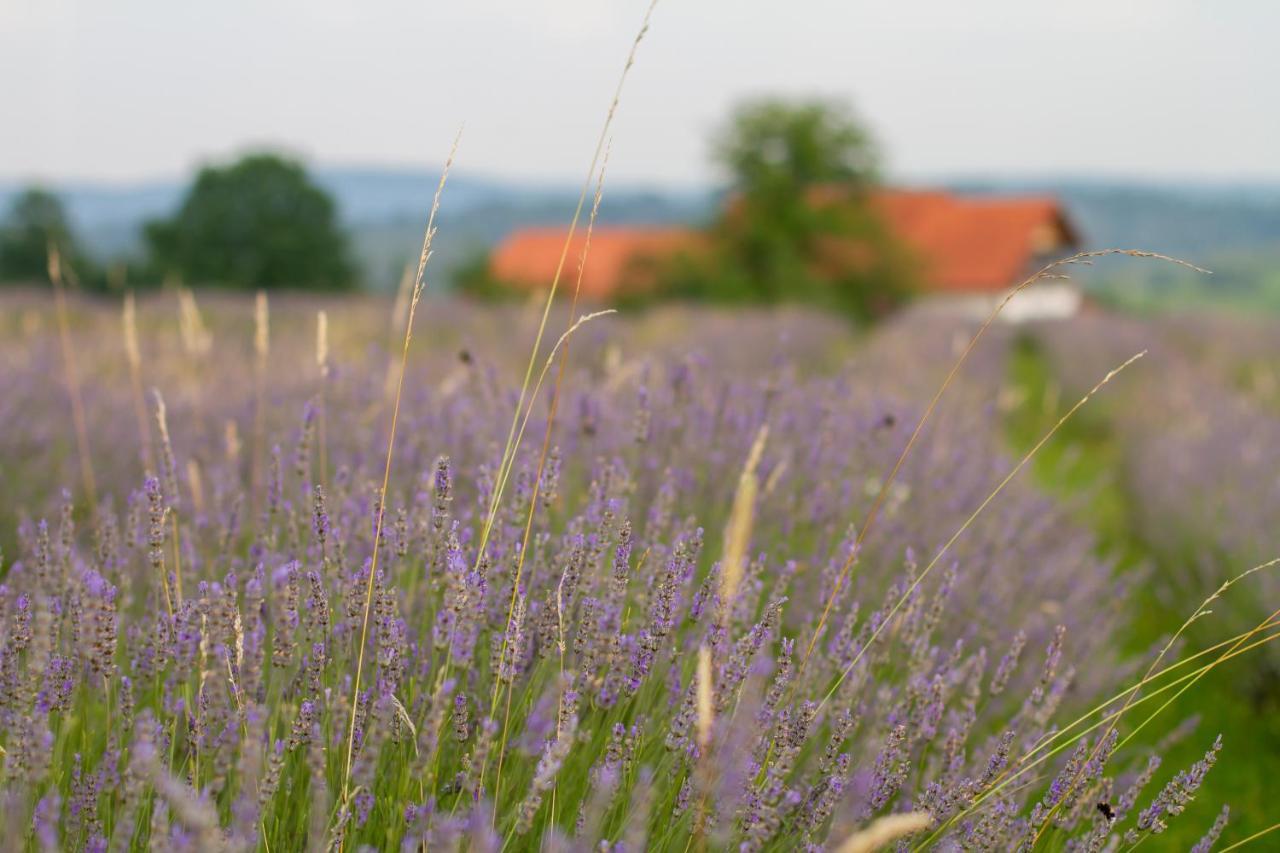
x,y
1243,841
322,343
196,340
261,351
885,831
1022,463
386,472
133,357
1049,271
73,379
322,367
737,534
516,432
1199,612
706,699
511,446
1066,735
1022,766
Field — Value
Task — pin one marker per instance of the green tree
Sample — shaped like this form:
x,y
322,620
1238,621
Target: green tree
x,y
799,223
257,223
36,220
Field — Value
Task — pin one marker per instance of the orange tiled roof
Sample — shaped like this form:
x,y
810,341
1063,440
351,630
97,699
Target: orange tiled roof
x,y
975,244
529,257
965,244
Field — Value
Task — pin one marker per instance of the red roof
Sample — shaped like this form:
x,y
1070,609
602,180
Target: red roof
x,y
969,244
964,244
529,257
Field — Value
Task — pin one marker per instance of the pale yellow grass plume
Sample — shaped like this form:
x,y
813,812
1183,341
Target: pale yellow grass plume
x,y
261,327
133,357
706,700
424,256
885,831
72,377
231,440
399,316
197,342
195,481
322,343
132,351
737,534
322,365
261,349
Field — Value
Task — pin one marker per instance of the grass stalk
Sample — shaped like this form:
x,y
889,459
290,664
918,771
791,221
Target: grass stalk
x,y
1199,612
72,377
423,257
1008,478
1046,272
133,356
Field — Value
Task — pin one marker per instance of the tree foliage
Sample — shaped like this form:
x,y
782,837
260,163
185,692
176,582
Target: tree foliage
x,y
35,221
257,223
798,223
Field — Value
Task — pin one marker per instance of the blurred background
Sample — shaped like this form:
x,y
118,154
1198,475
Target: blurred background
x,y
1148,124
844,158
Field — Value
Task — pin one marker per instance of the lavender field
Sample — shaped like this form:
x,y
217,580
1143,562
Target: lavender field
x,y
667,597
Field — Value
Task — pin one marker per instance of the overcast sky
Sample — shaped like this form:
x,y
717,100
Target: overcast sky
x,y
133,89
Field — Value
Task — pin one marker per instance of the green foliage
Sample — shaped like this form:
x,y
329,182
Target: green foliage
x,y
798,225
1245,281
257,223
774,148
1086,458
35,221
474,278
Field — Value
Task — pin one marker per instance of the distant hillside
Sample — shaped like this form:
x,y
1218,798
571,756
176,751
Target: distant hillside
x,y
1187,220
1235,227
385,211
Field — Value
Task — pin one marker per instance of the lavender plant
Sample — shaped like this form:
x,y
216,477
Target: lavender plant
x,y
636,658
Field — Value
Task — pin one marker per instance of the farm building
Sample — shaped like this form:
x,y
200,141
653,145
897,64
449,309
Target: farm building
x,y
971,251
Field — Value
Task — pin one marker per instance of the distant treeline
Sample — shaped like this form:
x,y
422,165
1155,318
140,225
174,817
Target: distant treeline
x,y
260,222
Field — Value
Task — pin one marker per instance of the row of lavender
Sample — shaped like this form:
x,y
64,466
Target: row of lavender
x,y
604,652
1201,445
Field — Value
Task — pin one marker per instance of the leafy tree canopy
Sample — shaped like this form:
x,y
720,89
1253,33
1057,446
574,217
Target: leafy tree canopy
x,y
35,220
798,224
257,223
774,147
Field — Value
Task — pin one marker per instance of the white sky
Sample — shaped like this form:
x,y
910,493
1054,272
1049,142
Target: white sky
x,y
131,89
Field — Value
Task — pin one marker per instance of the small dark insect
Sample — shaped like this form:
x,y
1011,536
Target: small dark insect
x,y
464,356
1107,811
888,421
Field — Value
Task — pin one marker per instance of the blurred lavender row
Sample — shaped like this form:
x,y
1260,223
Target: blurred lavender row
x,y
179,663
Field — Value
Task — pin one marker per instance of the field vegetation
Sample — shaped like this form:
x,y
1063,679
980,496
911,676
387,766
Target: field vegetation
x,y
671,597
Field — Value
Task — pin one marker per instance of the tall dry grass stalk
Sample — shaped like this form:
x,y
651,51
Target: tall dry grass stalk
x,y
542,459
169,476
133,358
197,342
946,547
1067,736
706,698
513,439
195,483
884,831
510,448
261,352
423,257
1198,613
322,369
399,314
1049,271
1251,838
737,533
72,376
